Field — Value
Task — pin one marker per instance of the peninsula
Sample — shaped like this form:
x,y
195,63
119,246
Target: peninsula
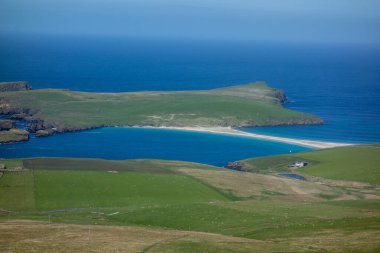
x,y
53,110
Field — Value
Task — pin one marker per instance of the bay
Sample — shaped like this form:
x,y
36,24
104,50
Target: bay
x,y
117,143
339,83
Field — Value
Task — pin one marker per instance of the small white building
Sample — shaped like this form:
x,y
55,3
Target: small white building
x,y
299,164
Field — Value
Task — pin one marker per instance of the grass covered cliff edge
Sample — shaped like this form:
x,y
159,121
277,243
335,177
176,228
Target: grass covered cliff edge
x,y
253,104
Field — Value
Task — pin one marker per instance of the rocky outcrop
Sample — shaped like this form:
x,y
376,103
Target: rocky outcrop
x,y
19,132
280,95
7,124
8,109
45,132
235,166
19,116
36,125
14,135
14,86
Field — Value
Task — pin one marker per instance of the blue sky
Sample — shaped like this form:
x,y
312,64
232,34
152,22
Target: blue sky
x,y
316,21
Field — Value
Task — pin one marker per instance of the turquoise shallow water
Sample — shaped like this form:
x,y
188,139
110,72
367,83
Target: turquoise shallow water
x,y
129,143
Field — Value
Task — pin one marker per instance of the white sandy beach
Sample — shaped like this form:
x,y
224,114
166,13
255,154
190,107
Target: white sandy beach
x,y
231,131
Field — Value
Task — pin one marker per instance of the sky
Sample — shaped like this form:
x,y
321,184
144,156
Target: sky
x,y
314,21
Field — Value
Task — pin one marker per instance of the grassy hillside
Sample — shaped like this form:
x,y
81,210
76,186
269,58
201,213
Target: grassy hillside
x,y
172,206
78,189
355,163
17,191
108,184
37,237
246,105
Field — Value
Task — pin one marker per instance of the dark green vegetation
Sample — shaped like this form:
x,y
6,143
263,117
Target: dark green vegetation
x,y
239,211
355,163
253,104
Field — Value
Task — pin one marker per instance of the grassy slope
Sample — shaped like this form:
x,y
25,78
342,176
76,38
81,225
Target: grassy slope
x,y
146,165
79,189
36,237
16,191
70,183
252,104
356,163
11,163
161,196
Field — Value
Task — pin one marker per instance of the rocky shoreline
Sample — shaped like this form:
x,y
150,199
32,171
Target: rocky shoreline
x,y
10,133
35,125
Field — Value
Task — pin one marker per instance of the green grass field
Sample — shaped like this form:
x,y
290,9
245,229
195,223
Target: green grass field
x,y
12,163
184,199
85,189
138,165
251,104
356,163
17,191
108,184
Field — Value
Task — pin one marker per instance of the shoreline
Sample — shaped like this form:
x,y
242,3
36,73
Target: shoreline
x,y
235,132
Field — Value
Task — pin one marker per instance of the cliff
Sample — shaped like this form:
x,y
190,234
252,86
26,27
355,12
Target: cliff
x,y
7,124
14,86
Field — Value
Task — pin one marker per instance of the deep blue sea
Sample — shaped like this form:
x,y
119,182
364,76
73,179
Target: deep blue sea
x,y
340,83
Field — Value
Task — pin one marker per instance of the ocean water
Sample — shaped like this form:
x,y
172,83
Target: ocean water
x,y
340,83
128,143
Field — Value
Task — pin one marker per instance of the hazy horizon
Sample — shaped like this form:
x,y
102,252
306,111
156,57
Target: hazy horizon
x,y
298,21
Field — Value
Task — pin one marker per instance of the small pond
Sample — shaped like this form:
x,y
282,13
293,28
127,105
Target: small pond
x,y
293,176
